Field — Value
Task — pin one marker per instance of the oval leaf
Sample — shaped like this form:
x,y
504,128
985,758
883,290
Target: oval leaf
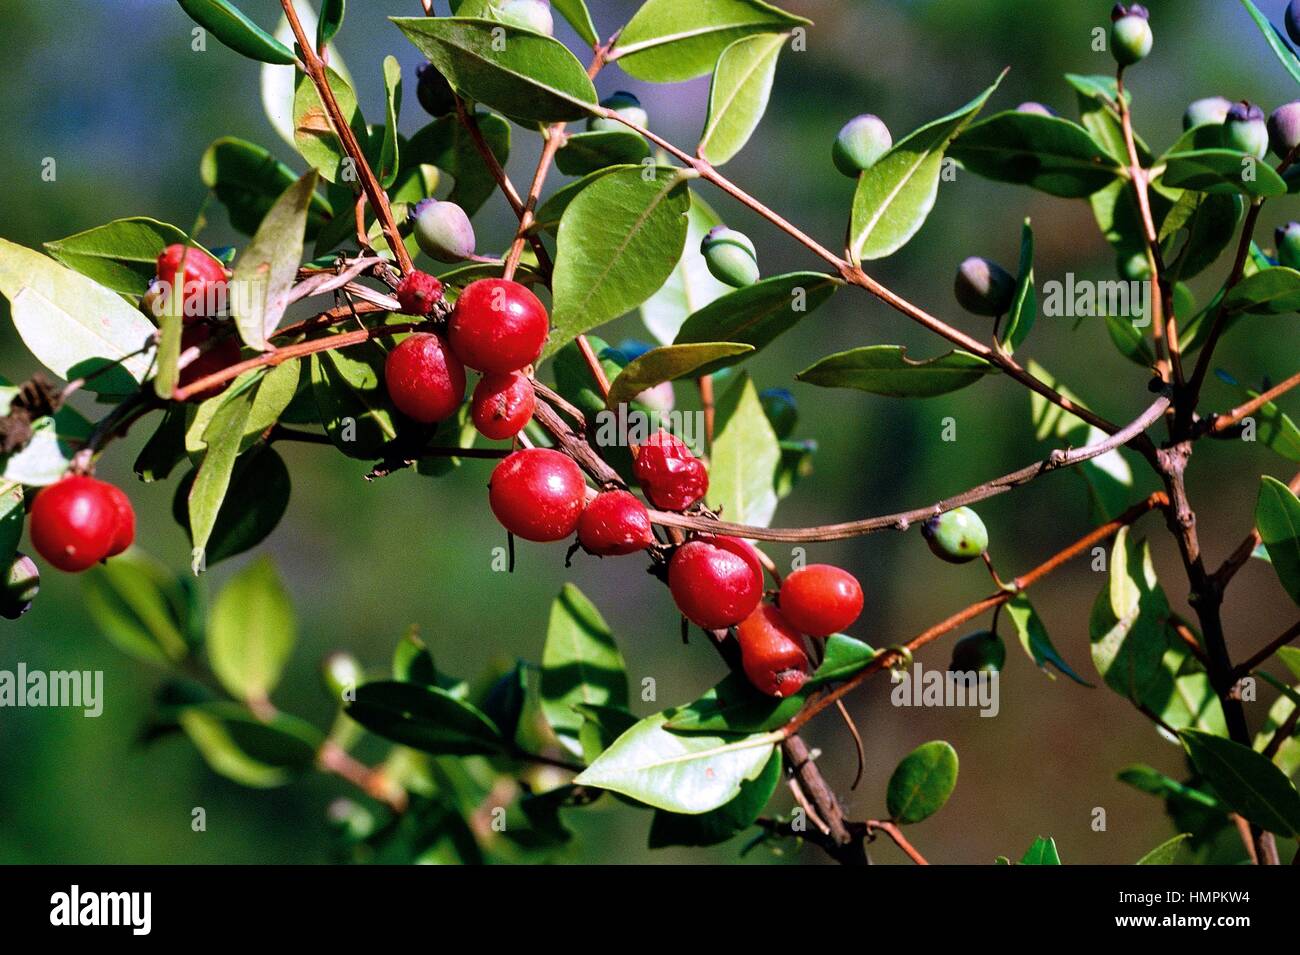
x,y
251,632
228,24
1047,153
1274,291
886,370
122,255
1277,515
668,364
266,271
584,153
580,665
1221,170
1246,781
742,83
247,180
922,782
757,314
425,718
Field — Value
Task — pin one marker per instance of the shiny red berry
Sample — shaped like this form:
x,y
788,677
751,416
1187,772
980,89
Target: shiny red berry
x,y
772,653
74,523
203,285
672,477
713,586
425,380
419,293
820,599
502,405
615,523
498,325
216,355
124,533
537,494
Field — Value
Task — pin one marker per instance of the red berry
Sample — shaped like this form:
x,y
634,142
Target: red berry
x,y
820,599
74,523
615,523
537,494
771,653
124,533
216,356
498,325
713,585
671,476
203,285
742,548
502,405
418,293
425,380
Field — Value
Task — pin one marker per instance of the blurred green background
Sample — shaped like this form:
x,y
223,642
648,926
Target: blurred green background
x,y
113,92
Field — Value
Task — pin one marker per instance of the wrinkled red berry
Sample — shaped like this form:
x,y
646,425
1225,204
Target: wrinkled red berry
x,y
216,355
672,477
502,405
74,523
537,494
820,599
771,653
124,532
419,293
498,325
203,285
714,586
615,523
424,379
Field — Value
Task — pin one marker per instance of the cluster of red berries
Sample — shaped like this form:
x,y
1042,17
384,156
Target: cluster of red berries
x,y
79,521
200,284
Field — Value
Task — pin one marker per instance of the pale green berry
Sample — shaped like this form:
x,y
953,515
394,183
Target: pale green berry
x,y
1130,34
1246,130
730,256
341,673
860,144
1210,111
442,230
627,106
983,287
957,536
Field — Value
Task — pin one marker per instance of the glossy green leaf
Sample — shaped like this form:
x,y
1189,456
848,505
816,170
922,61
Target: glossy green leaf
x,y
585,153
1042,852
425,718
744,457
388,165
445,143
1047,153
1024,306
55,439
1167,853
331,19
1152,781
352,401
279,83
1275,40
844,657
895,196
690,286
73,325
1246,781
1220,170
1274,291
551,212
232,27
1277,515
668,364
247,180
721,824
254,503
1206,223
314,133
601,725
223,436
251,632
1097,96
922,782
618,242
579,17
580,665
141,607
251,751
733,706
742,83
886,370
527,76
273,391
1033,637
122,255
268,268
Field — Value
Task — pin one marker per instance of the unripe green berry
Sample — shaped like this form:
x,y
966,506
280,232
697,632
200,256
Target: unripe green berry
x,y
532,15
1130,33
1036,109
1245,130
627,106
433,91
983,287
442,230
860,144
781,410
1292,20
1135,267
957,536
1284,129
981,652
730,257
1210,111
19,587
1287,238
341,673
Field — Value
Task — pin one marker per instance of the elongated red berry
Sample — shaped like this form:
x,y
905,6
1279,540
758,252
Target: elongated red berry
x,y
502,405
713,587
615,523
672,477
73,523
202,286
820,599
424,379
498,326
772,653
537,494
419,293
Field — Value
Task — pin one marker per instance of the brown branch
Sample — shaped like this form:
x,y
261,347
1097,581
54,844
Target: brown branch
x,y
375,783
1217,424
1241,556
891,829
1272,647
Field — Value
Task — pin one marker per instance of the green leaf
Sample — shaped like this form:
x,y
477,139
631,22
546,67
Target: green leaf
x,y
1149,780
425,718
251,632
1274,427
273,392
314,133
618,242
742,83
744,457
267,269
1047,153
252,752
141,607
757,314
73,325
1167,853
279,83
719,825
690,286
895,196
844,657
1024,306
223,437
580,665
1034,638
389,164
1274,291
1277,515
412,661
122,255
600,727
445,143
1097,96
247,180
922,782
1042,852
1275,41
331,19
254,504
47,456
230,26
585,153
352,401
527,76
579,17
1130,341
733,706
668,364
680,773
1221,170
1209,221
1246,781
886,370
673,40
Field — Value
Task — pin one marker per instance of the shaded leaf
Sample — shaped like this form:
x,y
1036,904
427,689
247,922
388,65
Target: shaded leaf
x,y
425,718
1220,170
718,825
744,457
580,665
1034,638
668,364
584,153
251,632
247,180
1246,781
1277,515
250,751
886,370
757,314
1048,153
141,607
